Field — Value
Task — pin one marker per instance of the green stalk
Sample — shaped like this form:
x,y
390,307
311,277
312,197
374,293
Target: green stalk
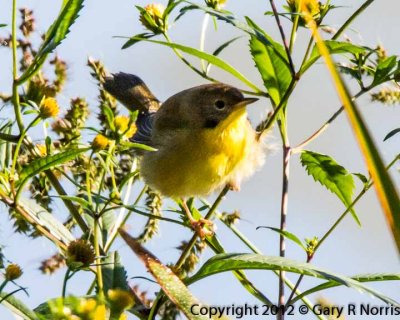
x,y
99,273
364,6
65,281
294,27
15,158
17,107
193,240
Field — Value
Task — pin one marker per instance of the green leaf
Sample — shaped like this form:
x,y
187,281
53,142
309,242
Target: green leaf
x,y
272,67
45,163
391,134
54,36
334,47
127,145
114,273
17,307
83,202
331,175
384,69
359,278
109,114
2,25
287,235
38,216
236,261
172,286
362,178
204,56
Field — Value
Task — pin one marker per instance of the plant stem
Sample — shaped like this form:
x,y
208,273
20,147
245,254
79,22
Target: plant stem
x,y
15,158
278,22
337,222
118,225
284,210
204,26
271,120
180,56
294,27
325,126
99,274
17,107
66,278
193,240
364,6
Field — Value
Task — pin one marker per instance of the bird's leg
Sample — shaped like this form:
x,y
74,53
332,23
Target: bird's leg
x,y
200,226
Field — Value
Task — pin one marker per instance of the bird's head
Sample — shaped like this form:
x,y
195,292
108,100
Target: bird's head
x,y
202,107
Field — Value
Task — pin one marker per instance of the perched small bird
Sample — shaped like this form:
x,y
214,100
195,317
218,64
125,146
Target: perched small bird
x,y
203,138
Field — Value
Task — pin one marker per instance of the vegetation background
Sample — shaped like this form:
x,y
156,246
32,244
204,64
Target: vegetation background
x,y
312,209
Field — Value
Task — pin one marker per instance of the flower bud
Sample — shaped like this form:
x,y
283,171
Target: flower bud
x,y
152,18
311,7
13,272
48,108
215,4
120,300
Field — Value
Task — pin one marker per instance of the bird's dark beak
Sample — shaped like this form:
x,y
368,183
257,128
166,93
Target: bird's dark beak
x,y
245,101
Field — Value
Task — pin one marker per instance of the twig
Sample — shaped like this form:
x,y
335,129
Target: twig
x,y
271,120
278,22
352,18
325,126
193,240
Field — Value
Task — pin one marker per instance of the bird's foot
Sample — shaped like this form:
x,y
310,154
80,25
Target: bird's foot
x,y
203,227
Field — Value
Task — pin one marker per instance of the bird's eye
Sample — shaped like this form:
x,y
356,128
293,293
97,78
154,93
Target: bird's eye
x,y
219,104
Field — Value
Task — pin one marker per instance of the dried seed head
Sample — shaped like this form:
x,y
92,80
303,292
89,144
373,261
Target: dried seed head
x,y
80,252
13,272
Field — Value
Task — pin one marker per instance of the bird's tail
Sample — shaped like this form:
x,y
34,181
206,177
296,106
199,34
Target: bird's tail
x,y
132,92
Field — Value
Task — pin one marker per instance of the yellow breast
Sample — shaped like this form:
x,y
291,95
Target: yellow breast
x,y
198,163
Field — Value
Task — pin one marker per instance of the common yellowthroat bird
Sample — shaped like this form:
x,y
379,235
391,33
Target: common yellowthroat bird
x,y
203,138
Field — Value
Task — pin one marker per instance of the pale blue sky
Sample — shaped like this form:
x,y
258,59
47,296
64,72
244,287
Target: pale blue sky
x,y
312,209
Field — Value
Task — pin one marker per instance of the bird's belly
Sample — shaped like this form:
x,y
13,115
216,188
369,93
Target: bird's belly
x,y
198,166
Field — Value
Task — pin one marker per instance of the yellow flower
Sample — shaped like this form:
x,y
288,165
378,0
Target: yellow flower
x,y
100,313
152,18
100,142
13,272
120,300
87,306
312,7
49,108
121,124
42,149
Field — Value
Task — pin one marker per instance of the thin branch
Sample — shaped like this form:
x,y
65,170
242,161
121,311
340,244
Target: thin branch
x,y
193,240
278,22
325,126
352,18
271,119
